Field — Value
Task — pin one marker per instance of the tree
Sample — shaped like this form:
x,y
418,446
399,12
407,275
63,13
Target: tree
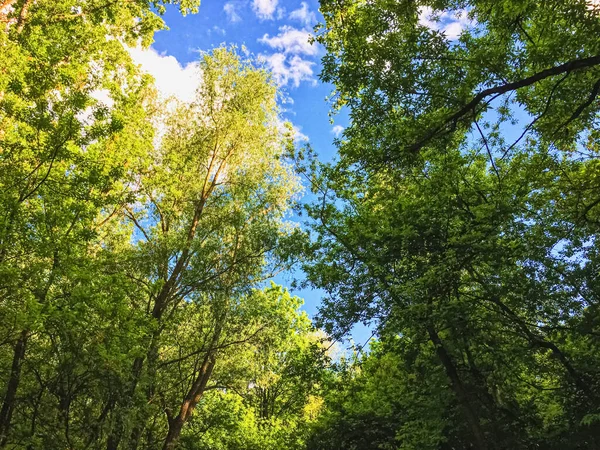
x,y
458,217
60,169
134,231
266,391
375,401
208,216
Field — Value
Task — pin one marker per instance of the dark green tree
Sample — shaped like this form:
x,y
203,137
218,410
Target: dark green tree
x,y
459,219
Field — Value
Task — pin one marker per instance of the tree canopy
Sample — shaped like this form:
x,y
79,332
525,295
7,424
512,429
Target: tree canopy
x,y
139,235
459,220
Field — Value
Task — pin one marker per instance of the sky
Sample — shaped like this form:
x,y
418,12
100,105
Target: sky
x,y
278,33
275,31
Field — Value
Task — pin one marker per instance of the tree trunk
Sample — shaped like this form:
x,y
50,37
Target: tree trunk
x,y
151,360
116,435
8,404
23,15
189,404
459,389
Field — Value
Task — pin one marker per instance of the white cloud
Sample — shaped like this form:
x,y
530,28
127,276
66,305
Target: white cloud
x,y
172,79
232,14
264,9
291,40
293,70
337,130
102,97
451,23
299,136
287,65
304,15
217,30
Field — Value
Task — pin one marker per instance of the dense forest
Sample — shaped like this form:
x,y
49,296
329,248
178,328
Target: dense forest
x,y
140,235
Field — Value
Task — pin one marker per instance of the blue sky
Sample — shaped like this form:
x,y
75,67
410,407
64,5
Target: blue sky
x,y
276,31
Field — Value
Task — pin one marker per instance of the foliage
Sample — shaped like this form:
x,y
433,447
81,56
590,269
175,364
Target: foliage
x,y
135,235
459,220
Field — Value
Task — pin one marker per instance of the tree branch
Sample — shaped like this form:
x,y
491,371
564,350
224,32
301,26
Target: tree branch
x,y
576,64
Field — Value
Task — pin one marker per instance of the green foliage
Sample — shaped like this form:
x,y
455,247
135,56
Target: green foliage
x,y
376,402
459,221
135,236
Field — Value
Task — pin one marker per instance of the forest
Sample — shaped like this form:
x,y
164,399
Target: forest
x,y
141,235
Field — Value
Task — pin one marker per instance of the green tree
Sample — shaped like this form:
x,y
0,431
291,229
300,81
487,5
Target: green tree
x,y
63,164
266,391
208,215
459,218
375,401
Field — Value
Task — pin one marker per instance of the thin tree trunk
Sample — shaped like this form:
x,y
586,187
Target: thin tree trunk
x,y
23,15
8,404
151,360
160,304
189,404
124,405
116,434
195,393
459,389
14,380
114,438
34,416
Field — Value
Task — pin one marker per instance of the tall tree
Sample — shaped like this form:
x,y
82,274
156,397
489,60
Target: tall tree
x,y
208,216
459,217
63,169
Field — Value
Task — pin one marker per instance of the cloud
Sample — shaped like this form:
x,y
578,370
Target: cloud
x,y
103,96
232,14
299,136
264,9
288,64
171,78
292,70
451,23
291,40
304,15
337,130
217,30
